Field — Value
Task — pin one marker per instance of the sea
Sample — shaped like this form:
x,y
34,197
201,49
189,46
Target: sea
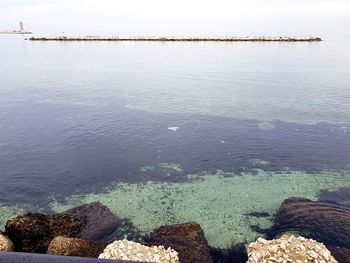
x,y
158,129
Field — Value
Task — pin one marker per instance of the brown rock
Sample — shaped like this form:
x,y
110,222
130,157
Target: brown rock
x,y
66,224
30,232
187,239
65,246
34,232
99,221
6,244
324,222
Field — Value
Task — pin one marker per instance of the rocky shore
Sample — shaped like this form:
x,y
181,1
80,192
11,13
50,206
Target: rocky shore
x,y
179,39
93,231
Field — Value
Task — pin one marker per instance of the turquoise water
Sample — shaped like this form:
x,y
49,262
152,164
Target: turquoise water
x,y
81,122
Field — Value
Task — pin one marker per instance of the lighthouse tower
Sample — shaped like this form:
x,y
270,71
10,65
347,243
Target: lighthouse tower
x,y
21,27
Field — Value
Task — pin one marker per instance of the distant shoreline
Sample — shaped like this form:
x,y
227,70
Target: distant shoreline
x,y
179,39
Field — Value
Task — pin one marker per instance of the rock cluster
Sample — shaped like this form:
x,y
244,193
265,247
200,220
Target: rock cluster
x,y
128,250
289,249
33,232
79,231
6,244
187,239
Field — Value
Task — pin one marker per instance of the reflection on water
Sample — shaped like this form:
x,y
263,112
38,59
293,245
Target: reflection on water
x,y
78,117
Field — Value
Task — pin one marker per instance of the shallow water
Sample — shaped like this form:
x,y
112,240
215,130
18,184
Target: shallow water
x,y
78,117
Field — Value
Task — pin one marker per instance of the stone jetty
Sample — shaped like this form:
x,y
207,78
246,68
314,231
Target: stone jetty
x,y
179,39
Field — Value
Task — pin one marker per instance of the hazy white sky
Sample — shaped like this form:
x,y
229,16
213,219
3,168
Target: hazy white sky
x,y
325,18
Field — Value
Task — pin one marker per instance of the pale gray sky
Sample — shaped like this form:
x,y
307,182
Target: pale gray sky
x,y
325,18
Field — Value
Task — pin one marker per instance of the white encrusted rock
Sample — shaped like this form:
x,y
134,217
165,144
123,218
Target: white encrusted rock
x,y
288,249
128,250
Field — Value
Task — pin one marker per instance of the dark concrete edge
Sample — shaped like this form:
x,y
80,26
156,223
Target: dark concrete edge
x,y
16,257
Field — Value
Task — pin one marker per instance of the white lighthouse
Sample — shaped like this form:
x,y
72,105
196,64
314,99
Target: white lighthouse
x,y
21,27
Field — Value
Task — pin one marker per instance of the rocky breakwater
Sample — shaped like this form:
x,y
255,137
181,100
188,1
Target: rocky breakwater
x,y
85,230
33,232
325,222
179,39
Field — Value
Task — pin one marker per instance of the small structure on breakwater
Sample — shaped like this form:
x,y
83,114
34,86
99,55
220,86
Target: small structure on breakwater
x,y
21,30
179,39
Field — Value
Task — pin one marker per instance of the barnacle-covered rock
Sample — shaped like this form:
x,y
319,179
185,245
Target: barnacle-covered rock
x,y
289,249
33,232
188,239
6,244
128,250
75,247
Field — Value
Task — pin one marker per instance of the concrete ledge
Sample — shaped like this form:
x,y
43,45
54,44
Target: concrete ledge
x,y
14,257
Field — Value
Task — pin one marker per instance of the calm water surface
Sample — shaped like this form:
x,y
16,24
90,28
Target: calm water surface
x,y
75,117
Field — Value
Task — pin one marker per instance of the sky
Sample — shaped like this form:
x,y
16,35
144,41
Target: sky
x,y
323,18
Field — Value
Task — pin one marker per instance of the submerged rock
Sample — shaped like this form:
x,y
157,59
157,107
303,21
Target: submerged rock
x,y
187,239
99,220
288,249
34,232
6,244
233,254
65,246
341,254
341,196
327,223
128,250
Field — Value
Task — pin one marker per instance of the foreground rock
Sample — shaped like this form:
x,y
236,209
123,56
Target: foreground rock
x,y
327,223
128,250
6,244
289,249
65,246
34,232
187,239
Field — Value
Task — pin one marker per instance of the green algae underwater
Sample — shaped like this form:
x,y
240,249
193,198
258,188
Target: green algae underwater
x,y
7,212
223,204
